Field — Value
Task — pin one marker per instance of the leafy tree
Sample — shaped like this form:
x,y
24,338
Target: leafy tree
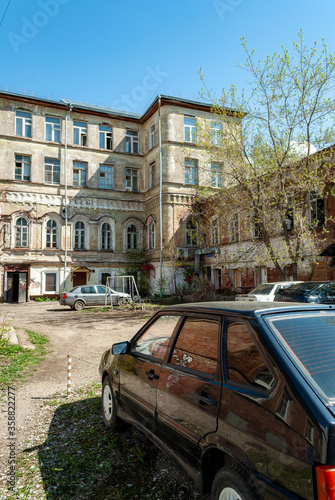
x,y
273,155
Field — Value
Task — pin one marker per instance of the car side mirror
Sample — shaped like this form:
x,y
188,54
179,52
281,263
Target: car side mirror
x,y
121,348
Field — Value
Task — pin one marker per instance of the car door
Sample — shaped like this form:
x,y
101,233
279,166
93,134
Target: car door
x,y
140,369
189,387
101,294
89,294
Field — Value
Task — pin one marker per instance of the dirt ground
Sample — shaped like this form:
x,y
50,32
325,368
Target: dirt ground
x,y
83,334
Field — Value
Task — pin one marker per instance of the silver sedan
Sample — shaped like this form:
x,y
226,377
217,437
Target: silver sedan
x,y
92,295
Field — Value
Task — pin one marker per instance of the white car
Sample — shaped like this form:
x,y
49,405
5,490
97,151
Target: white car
x,y
265,292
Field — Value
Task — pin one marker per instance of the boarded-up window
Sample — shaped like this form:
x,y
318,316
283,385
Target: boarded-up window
x,y
50,282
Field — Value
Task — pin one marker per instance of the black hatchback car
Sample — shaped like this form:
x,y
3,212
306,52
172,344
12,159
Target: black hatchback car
x,y
316,292
241,394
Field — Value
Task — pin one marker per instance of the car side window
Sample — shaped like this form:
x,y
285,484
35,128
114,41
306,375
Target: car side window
x,y
245,362
101,289
155,340
197,345
88,289
331,289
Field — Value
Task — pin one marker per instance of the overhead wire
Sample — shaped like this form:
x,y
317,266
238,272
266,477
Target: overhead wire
x,y
4,14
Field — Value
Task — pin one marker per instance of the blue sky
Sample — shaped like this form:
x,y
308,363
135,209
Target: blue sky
x,y
122,54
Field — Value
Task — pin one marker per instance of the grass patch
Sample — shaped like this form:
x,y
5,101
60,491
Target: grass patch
x,y
16,360
76,457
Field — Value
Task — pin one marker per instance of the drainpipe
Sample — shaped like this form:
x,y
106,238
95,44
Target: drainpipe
x,y
65,191
160,198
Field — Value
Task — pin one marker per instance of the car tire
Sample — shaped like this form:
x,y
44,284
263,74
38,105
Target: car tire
x,y
123,301
111,420
233,483
79,305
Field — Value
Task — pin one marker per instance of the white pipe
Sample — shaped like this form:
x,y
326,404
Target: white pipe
x,y
160,197
65,192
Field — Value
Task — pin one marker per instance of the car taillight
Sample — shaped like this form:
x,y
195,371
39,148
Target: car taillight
x,y
325,480
64,295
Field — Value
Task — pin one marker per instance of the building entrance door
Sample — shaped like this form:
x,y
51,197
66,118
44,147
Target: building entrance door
x,y
79,278
17,284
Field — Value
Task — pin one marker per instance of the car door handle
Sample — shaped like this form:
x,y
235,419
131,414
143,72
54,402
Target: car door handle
x,y
205,400
152,375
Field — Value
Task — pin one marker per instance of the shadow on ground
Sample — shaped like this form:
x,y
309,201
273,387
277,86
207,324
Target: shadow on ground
x,y
81,460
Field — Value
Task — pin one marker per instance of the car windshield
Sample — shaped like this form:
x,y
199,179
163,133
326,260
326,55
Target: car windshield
x,y
263,289
309,339
302,287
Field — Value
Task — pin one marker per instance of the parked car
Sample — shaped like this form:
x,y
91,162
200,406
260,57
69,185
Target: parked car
x,y
316,292
242,395
265,292
92,295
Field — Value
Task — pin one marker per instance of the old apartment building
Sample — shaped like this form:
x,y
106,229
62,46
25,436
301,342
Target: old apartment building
x,y
81,190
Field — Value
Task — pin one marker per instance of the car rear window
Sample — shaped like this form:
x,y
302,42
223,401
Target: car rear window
x,y
262,289
309,339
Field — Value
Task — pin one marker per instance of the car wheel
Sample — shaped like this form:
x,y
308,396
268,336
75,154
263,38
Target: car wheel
x,y
123,301
233,483
111,421
79,305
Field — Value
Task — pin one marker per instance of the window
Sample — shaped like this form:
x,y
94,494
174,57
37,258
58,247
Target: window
x,y
191,233
106,236
155,340
215,232
79,235
106,177
79,173
152,235
79,133
51,171
88,289
105,137
131,141
23,123
21,233
245,363
152,175
197,345
190,129
317,209
22,168
132,179
216,133
132,237
51,234
151,136
234,229
283,406
256,224
216,174
51,282
52,129
191,172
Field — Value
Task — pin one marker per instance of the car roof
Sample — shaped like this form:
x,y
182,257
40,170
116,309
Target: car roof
x,y
252,308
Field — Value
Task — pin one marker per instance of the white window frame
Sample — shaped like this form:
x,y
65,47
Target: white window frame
x,y
132,141
79,169
152,235
216,175
23,121
53,129
132,243
313,207
191,233
152,175
132,179
151,136
216,133
22,229
81,127
191,172
234,229
54,163
44,274
214,231
190,129
82,233
106,137
104,169
110,232
22,164
53,231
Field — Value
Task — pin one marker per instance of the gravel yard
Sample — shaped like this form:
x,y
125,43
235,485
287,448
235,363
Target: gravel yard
x,y
41,408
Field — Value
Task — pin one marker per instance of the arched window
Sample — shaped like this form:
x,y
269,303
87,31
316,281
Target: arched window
x,y
51,234
106,236
132,237
191,233
152,235
79,235
21,233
